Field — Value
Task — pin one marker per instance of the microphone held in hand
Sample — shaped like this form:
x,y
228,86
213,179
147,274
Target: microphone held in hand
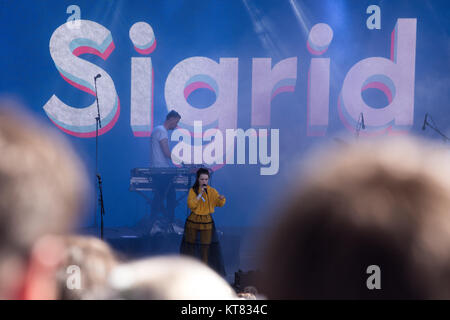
x,y
205,189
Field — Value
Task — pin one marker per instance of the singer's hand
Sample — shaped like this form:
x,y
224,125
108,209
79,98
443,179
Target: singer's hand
x,y
221,197
202,189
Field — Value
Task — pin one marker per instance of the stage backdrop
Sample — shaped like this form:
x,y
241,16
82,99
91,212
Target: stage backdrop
x,y
257,83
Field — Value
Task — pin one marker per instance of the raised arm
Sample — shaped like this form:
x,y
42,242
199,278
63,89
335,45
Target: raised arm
x,y
220,199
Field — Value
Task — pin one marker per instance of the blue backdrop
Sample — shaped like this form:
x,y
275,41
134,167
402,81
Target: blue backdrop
x,y
306,68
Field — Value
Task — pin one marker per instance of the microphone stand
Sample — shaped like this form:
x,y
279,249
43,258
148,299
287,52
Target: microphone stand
x,y
98,123
102,208
444,137
360,125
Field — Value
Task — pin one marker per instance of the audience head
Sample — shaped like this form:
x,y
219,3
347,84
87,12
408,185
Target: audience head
x,y
85,267
382,203
249,293
41,187
167,278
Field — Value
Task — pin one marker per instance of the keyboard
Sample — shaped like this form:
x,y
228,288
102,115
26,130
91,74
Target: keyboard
x,y
182,177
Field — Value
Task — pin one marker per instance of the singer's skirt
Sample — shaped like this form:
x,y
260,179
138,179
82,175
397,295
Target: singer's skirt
x,y
200,240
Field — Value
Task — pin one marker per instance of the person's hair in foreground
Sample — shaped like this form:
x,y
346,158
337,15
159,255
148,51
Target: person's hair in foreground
x,y
41,189
93,259
383,203
167,278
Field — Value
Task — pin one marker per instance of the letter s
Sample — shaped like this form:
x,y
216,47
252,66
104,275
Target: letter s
x,y
66,44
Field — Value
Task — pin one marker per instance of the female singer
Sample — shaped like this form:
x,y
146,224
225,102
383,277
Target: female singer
x,y
200,237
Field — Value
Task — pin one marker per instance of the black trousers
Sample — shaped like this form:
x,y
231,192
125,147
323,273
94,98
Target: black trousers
x,y
164,190
203,245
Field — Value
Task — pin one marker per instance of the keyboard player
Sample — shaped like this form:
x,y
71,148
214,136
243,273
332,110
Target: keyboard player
x,y
160,158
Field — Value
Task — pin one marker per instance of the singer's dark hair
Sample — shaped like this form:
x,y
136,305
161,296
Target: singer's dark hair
x,y
196,185
173,114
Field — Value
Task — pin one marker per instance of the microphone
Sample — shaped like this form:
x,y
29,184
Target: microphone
x,y
205,189
96,98
362,121
425,121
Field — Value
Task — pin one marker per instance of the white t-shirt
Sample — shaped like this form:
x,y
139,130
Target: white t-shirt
x,y
158,159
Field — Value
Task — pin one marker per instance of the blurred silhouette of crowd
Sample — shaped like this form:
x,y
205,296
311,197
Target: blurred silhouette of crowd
x,y
369,220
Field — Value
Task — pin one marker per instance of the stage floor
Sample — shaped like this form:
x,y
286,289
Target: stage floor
x,y
131,243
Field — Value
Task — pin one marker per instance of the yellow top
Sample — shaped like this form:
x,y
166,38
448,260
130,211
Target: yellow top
x,y
206,203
